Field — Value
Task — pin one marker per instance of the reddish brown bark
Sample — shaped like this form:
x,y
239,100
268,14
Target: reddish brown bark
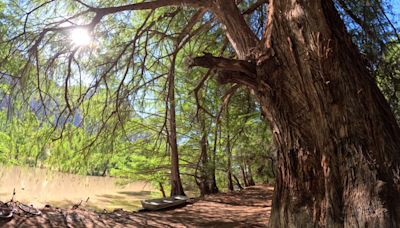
x,y
338,147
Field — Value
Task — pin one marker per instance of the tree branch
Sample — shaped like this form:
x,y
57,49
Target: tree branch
x,y
240,35
255,6
230,70
151,5
220,63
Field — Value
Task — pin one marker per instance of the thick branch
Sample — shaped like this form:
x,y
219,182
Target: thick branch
x,y
230,70
100,13
151,5
238,32
226,76
209,61
241,37
255,6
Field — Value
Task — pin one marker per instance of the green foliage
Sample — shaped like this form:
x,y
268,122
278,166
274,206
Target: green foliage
x,y
378,40
100,110
388,77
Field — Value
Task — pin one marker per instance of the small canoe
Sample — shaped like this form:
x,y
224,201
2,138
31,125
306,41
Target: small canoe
x,y
163,203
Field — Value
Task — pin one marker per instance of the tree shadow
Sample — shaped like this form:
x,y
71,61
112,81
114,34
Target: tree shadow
x,y
244,211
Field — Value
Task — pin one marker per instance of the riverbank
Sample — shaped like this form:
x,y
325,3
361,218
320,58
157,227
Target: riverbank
x,y
249,208
42,187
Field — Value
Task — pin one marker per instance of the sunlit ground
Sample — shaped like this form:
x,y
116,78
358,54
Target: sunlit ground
x,y
40,187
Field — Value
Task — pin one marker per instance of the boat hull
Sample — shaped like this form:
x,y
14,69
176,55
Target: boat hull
x,y
164,203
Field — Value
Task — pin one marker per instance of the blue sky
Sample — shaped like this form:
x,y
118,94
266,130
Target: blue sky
x,y
396,8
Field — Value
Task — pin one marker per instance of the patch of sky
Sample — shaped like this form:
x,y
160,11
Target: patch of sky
x,y
395,17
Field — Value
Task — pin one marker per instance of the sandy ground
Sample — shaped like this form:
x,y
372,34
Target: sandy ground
x,y
41,186
248,208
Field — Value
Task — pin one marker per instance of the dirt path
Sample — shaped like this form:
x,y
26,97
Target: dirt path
x,y
248,208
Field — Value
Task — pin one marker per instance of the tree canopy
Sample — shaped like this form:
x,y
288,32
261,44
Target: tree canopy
x,y
116,87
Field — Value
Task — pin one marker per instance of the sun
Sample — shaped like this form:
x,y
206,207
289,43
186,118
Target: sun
x,y
80,37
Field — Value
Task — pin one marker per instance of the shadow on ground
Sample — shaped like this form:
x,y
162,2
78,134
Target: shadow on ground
x,y
248,208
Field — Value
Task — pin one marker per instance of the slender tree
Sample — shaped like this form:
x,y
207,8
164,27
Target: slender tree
x,y
176,183
204,158
213,184
228,151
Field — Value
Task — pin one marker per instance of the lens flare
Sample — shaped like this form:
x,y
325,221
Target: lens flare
x,y
80,37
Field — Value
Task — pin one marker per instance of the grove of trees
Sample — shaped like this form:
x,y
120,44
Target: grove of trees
x,y
209,94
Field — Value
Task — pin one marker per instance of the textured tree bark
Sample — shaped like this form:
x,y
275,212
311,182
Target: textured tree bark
x,y
338,143
337,140
238,32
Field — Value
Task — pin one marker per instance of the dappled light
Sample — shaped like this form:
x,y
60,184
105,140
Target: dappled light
x,y
250,208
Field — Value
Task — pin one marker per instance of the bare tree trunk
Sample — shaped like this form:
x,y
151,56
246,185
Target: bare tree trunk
x,y
176,184
237,182
204,174
213,184
204,177
250,179
228,152
244,177
162,189
104,172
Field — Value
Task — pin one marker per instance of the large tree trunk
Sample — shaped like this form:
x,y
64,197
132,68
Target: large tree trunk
x,y
338,143
337,140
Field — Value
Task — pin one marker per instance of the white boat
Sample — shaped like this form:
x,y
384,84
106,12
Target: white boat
x,y
163,203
